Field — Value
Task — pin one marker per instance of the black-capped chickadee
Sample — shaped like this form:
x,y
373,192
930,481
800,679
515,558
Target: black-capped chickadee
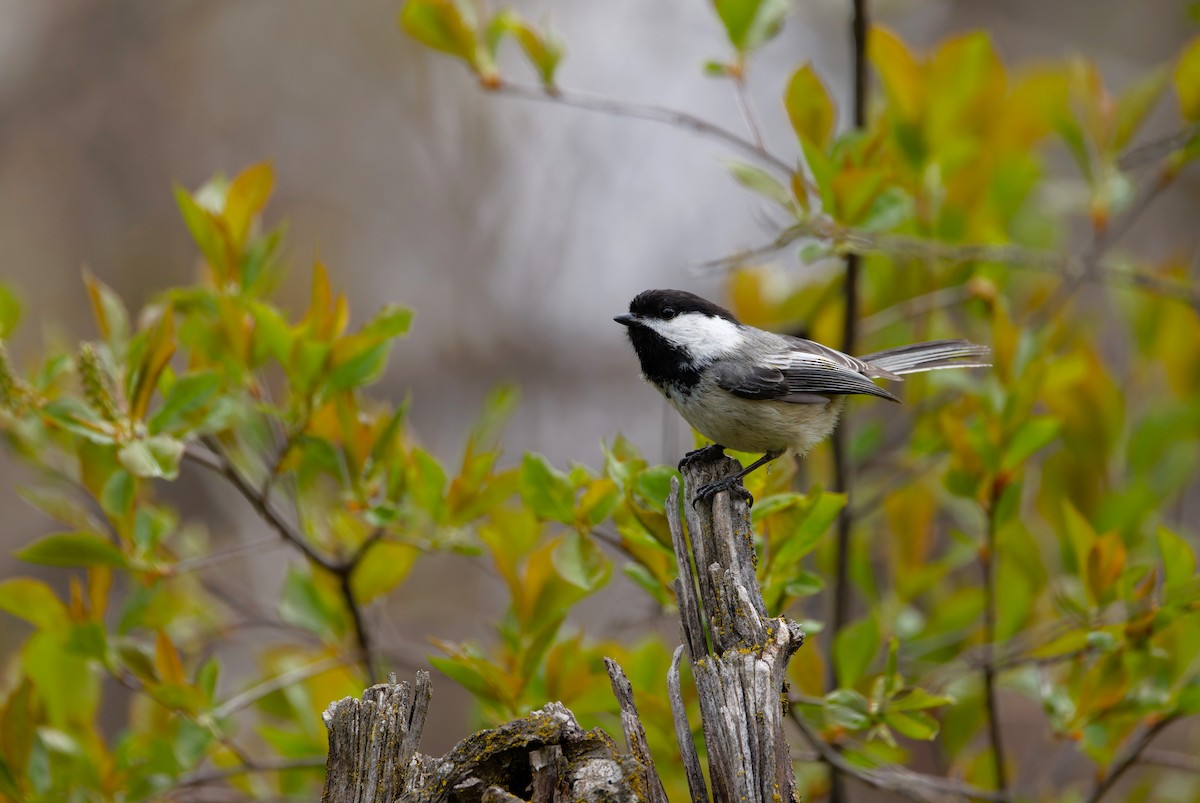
x,y
756,391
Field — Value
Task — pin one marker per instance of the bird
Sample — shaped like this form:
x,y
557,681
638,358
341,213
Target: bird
x,y
750,390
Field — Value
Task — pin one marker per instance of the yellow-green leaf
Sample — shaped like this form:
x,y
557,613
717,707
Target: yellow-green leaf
x,y
441,25
899,71
1135,104
72,549
809,107
1187,81
33,601
247,195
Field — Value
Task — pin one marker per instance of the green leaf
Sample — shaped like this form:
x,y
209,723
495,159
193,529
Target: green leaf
x,y
111,317
1031,436
441,25
33,601
1136,103
820,509
156,456
848,708
188,394
918,699
804,584
77,418
913,724
390,322
544,50
119,493
73,549
547,491
61,507
750,23
385,568
809,107
579,561
1187,81
10,310
854,647
652,486
205,230
304,605
760,181
357,360
1179,561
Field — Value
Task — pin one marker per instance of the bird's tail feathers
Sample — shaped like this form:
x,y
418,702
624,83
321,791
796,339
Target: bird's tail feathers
x,y
930,356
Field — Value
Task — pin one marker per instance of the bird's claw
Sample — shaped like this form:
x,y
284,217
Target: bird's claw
x,y
732,483
703,454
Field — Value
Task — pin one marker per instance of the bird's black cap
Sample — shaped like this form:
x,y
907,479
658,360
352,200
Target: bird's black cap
x,y
669,303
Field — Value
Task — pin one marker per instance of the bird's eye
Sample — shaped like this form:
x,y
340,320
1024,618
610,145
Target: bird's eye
x,y
668,313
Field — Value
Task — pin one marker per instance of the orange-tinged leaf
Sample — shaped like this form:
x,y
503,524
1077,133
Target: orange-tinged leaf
x,y
319,311
111,318
1105,562
441,25
809,106
855,189
1135,104
1187,81
167,661
247,195
159,349
99,584
899,71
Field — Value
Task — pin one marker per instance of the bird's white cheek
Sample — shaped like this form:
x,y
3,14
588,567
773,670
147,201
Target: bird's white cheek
x,y
706,338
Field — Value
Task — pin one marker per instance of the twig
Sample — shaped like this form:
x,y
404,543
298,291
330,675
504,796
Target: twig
x,y
361,634
1175,761
894,778
1129,756
217,558
252,768
842,481
641,111
747,109
1104,240
281,681
218,462
987,565
1157,149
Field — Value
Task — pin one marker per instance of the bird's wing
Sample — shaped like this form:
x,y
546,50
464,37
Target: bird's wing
x,y
798,376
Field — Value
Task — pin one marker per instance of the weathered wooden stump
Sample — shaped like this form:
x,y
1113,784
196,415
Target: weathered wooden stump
x,y
739,658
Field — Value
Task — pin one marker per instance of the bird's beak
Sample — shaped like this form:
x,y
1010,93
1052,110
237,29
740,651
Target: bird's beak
x,y
626,319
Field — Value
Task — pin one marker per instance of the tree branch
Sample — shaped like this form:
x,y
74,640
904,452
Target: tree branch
x,y
987,565
641,111
896,779
842,472
1129,756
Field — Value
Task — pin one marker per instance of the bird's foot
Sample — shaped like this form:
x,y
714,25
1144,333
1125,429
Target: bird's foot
x,y
732,483
703,454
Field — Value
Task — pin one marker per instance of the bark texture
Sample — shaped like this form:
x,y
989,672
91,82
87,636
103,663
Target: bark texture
x,y
738,657
738,653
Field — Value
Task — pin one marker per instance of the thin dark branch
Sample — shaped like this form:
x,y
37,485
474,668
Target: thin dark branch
x,y
899,246
1129,756
643,111
362,634
842,471
896,779
747,109
1104,240
987,565
1157,149
224,773
218,462
1175,761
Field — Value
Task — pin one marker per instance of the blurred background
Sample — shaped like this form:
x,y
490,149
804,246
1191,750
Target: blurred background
x,y
515,229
